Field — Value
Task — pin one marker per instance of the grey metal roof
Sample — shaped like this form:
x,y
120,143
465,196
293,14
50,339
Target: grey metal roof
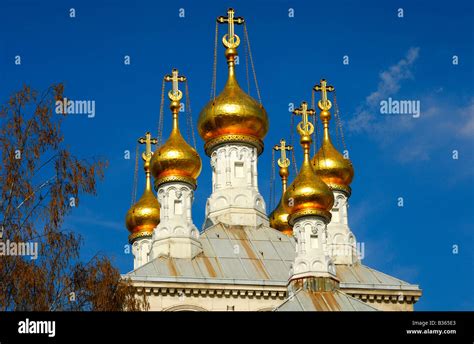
x,y
307,301
251,255
361,276
230,253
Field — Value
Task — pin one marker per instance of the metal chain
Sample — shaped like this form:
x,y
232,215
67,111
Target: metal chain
x,y
214,67
247,64
295,169
339,122
160,119
189,115
272,182
135,178
292,140
251,62
186,114
336,117
317,128
315,135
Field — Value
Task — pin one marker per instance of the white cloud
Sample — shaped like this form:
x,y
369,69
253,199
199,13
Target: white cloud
x,y
467,129
391,78
444,125
406,138
365,119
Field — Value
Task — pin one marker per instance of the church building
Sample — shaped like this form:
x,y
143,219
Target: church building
x,y
300,256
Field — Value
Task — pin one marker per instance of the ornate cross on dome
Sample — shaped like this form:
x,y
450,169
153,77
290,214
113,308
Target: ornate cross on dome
x,y
175,94
304,127
324,103
283,147
230,40
147,141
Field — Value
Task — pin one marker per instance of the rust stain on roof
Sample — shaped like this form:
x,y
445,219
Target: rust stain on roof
x,y
319,304
209,267
254,259
172,267
237,232
331,301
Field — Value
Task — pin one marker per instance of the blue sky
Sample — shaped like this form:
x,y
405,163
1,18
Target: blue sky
x,y
394,155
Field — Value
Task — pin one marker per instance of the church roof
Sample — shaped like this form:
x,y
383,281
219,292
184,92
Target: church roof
x,y
231,254
252,256
361,276
307,301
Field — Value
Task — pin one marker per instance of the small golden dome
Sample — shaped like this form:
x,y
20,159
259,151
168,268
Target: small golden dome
x,y
233,116
336,171
279,219
143,217
307,194
175,160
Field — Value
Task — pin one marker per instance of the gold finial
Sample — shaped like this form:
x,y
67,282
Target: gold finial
x,y
283,147
175,94
324,103
304,127
230,40
283,161
147,141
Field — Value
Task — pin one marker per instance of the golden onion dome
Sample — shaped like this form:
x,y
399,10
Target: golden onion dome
x,y
143,217
307,194
279,219
233,116
336,171
175,160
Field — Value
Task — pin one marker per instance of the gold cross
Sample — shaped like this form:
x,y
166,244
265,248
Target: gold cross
x,y
283,147
304,127
230,40
175,94
148,141
324,103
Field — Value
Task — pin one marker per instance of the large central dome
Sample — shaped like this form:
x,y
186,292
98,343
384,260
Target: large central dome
x,y
233,116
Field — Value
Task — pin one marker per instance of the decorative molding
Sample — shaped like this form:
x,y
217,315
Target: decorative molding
x,y
212,292
173,179
309,212
139,235
232,138
370,297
